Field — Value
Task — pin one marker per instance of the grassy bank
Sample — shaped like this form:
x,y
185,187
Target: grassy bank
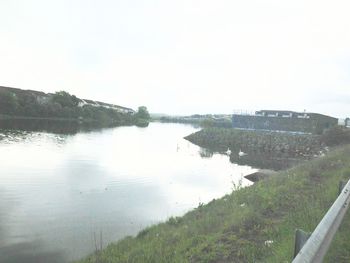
x,y
235,227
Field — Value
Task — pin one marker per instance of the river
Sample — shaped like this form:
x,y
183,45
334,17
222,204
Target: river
x,y
58,191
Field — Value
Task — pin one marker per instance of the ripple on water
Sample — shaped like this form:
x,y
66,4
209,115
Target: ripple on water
x,y
56,190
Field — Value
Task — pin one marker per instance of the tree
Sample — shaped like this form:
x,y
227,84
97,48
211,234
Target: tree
x,y
65,99
8,102
143,113
207,122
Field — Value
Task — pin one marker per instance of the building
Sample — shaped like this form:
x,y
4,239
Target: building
x,y
290,121
93,103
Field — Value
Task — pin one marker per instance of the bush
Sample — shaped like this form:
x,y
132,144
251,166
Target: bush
x,y
8,102
336,135
142,113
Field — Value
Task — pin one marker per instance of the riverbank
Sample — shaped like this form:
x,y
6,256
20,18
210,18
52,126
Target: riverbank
x,y
236,227
270,142
269,149
260,175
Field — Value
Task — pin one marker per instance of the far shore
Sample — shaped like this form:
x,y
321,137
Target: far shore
x,y
9,117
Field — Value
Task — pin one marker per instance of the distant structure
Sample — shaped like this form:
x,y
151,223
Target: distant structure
x,y
347,122
93,103
289,121
341,122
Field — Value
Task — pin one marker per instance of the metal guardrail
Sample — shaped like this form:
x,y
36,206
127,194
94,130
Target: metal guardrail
x,y
317,244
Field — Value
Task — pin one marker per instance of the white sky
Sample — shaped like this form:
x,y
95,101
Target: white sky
x,y
182,56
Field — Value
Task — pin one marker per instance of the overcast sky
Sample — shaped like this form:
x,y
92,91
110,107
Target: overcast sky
x,y
182,56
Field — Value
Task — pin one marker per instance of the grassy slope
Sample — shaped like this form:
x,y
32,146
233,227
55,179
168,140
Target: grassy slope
x,y
234,228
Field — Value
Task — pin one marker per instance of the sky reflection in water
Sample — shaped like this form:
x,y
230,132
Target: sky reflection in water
x,y
56,191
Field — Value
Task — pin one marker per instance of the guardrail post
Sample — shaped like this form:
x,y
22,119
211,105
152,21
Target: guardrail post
x,y
300,239
341,187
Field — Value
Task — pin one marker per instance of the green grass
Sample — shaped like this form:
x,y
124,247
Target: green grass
x,y
235,227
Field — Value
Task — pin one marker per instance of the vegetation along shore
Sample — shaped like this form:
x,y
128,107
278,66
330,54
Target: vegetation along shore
x,y
18,104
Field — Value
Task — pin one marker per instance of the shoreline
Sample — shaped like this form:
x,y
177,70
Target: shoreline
x,y
9,117
64,125
259,175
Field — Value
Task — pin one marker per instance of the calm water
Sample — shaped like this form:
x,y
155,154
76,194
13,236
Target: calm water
x,y
56,191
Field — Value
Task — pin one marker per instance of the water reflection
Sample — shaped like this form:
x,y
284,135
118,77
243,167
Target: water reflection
x,y
30,252
256,159
58,189
264,160
4,210
46,125
18,251
8,137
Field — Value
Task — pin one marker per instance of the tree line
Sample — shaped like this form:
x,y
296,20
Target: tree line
x,y
64,105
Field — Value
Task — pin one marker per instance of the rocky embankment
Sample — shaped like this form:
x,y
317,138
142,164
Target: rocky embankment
x,y
275,143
